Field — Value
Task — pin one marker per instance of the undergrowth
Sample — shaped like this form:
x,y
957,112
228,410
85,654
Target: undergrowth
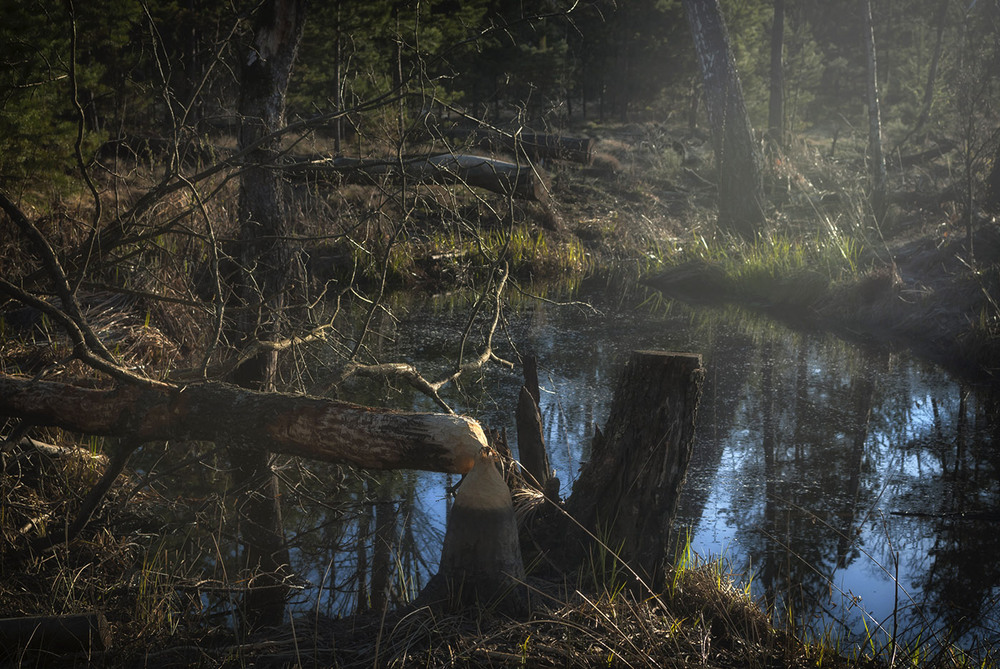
x,y
158,601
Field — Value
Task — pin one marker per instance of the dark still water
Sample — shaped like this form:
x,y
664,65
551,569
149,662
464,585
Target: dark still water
x,y
854,487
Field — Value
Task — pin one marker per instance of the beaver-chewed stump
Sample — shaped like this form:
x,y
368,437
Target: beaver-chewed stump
x,y
626,495
481,558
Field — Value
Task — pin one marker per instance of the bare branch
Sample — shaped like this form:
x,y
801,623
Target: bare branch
x,y
62,288
412,376
80,349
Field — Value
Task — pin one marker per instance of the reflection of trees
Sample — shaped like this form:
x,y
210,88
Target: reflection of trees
x,y
827,439
824,448
725,382
815,424
807,410
961,584
366,542
864,397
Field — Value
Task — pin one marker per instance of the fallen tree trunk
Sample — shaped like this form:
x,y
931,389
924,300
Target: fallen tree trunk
x,y
74,633
499,176
537,146
309,427
943,147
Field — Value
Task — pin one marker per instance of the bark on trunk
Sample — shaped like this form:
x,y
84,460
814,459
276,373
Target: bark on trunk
x,y
266,261
309,427
878,177
737,155
627,493
530,441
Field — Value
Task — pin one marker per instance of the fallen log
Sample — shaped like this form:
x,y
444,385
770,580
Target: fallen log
x,y
74,633
552,147
537,146
943,147
320,429
517,180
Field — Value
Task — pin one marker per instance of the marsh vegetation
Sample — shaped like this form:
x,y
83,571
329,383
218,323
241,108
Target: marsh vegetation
x,y
384,204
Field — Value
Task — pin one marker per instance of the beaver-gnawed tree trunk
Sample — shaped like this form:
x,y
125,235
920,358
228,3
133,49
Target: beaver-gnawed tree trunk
x,y
481,564
307,427
264,276
737,156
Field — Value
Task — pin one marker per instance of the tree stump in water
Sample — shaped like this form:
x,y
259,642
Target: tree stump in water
x,y
531,447
530,439
481,558
627,493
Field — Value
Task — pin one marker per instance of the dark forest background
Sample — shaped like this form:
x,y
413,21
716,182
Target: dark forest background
x,y
142,65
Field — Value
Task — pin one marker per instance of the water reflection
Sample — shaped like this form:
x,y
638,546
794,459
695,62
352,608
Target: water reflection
x,y
855,485
829,443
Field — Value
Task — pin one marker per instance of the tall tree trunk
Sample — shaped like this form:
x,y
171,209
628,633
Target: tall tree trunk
x,y
737,155
338,87
876,159
925,107
265,261
776,103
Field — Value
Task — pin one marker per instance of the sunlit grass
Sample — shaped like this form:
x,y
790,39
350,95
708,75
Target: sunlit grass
x,y
530,253
778,255
772,270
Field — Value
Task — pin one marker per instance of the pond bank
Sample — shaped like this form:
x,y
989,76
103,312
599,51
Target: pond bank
x,y
929,299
